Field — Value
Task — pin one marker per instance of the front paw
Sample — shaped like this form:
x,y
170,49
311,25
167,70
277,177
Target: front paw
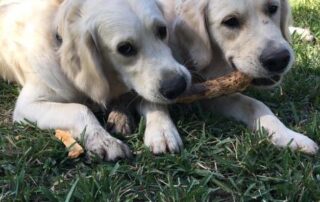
x,y
100,143
295,141
120,122
162,138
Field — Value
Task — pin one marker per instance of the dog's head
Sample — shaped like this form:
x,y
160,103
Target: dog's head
x,y
252,35
109,47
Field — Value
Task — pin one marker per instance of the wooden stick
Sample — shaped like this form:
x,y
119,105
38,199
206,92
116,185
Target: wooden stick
x,y
226,85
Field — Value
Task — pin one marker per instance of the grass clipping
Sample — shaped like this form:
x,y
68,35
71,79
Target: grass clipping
x,y
225,85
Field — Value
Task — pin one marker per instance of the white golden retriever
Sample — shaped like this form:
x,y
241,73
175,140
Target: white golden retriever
x,y
215,37
66,53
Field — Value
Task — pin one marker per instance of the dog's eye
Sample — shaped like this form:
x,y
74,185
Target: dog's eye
x,y
231,22
272,9
162,32
127,49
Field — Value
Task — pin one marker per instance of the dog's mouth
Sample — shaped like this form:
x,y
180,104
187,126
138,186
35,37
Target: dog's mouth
x,y
263,81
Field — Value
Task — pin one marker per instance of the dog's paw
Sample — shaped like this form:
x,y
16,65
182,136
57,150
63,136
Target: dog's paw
x,y
120,123
295,141
101,144
162,138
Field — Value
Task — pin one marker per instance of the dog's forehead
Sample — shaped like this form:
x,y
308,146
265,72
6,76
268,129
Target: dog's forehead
x,y
131,14
147,11
261,3
140,13
219,9
129,20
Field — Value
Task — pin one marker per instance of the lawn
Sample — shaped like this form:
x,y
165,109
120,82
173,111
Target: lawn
x,y
222,160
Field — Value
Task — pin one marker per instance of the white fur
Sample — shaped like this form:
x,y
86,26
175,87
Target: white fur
x,y
257,115
59,78
161,135
210,46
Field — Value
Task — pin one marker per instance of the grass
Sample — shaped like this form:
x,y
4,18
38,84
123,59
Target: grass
x,y
222,160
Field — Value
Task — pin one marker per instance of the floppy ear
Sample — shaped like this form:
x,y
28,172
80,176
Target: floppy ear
x,y
190,30
286,19
80,57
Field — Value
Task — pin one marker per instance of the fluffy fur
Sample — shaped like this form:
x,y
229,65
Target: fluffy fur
x,y
65,53
200,39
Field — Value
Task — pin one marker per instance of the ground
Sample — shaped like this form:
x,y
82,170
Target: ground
x,y
222,160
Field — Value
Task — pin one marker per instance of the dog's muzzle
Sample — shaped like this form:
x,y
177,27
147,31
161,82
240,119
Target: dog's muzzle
x,y
172,87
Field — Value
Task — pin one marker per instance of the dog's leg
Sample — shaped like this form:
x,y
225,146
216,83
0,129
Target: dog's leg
x,y
120,121
33,106
121,118
257,115
161,135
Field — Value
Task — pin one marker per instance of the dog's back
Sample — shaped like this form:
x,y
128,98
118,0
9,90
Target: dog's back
x,y
25,37
5,72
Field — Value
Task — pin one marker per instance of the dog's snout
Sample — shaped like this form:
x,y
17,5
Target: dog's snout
x,y
174,86
275,61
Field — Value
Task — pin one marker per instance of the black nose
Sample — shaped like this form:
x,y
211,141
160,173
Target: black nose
x,y
275,60
171,88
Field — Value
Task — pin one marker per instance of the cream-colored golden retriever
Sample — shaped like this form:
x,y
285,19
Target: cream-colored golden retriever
x,y
67,53
214,37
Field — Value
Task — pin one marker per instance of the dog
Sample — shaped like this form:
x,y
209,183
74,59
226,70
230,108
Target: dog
x,y
68,53
213,38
